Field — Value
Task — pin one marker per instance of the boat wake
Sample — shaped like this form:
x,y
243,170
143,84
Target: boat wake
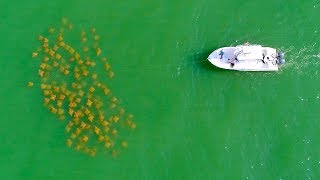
x,y
304,61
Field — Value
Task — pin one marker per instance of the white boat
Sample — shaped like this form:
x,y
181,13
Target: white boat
x,y
247,57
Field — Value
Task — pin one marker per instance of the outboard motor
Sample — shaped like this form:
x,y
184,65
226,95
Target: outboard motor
x,y
280,58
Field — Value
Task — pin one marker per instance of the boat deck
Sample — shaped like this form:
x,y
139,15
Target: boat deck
x,y
254,58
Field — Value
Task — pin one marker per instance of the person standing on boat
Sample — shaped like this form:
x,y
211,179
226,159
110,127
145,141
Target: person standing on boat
x,y
221,53
263,56
231,62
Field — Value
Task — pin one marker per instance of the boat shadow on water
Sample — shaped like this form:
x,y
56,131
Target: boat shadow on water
x,y
206,65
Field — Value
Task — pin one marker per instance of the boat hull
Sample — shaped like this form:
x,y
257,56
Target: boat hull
x,y
253,58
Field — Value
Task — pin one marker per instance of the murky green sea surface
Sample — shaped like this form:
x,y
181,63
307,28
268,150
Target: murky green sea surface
x,y
194,121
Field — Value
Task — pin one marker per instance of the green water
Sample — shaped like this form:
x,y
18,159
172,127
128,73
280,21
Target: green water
x,y
194,121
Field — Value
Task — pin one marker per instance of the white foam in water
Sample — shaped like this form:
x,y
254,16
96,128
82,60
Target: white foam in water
x,y
317,55
303,61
